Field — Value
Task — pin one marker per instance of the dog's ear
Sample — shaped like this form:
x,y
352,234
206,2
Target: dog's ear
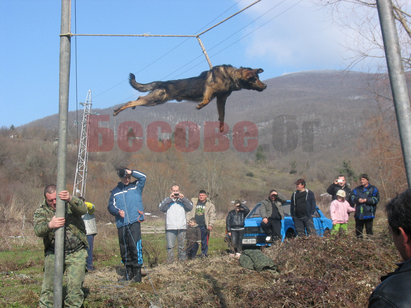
x,y
258,70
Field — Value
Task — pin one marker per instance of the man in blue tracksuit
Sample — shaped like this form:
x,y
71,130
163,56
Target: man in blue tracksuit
x,y
126,205
365,198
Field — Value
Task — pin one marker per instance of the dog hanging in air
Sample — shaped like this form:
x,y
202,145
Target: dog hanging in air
x,y
218,82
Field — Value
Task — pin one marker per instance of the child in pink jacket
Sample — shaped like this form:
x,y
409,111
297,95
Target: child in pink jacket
x,y
339,210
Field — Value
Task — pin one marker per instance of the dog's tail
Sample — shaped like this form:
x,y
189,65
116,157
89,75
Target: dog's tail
x,y
141,86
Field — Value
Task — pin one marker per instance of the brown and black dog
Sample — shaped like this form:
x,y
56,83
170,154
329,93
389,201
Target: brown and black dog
x,y
218,82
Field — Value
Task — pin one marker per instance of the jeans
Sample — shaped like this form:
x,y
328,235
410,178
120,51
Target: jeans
x,y
90,239
204,241
191,250
171,236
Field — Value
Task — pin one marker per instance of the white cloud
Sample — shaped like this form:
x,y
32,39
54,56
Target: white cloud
x,y
295,34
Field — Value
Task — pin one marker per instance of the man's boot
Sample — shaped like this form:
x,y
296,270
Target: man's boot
x,y
137,274
128,275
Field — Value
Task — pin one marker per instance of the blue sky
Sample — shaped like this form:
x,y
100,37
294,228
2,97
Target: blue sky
x,y
278,36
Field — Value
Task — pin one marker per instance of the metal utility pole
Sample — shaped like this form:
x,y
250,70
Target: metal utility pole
x,y
397,79
80,179
64,80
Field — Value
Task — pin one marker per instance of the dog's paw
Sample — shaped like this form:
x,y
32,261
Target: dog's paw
x,y
115,112
134,107
199,106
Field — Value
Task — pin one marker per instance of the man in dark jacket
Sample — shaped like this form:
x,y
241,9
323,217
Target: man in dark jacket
x,y
272,213
394,290
339,183
126,205
365,198
235,227
303,207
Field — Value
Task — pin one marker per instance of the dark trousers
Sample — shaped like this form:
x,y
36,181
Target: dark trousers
x,y
304,224
272,228
237,240
90,240
204,241
191,249
131,250
359,226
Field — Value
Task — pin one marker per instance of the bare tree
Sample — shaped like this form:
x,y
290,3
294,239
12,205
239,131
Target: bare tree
x,y
379,142
216,173
359,21
163,169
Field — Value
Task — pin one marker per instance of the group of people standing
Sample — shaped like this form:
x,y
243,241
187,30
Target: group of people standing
x,y
187,222
302,209
362,200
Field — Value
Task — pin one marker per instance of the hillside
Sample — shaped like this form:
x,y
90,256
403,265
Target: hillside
x,y
307,121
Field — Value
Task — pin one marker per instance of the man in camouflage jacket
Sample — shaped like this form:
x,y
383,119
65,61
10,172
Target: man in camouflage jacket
x,y
75,244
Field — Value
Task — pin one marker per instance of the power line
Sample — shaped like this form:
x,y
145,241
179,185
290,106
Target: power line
x,y
257,27
190,36
167,35
243,35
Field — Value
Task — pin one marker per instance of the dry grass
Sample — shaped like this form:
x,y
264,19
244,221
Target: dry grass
x,y
313,272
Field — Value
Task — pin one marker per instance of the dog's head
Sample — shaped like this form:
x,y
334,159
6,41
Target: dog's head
x,y
249,79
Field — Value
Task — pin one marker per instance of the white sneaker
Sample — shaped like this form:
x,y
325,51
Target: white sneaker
x,y
268,239
237,255
231,255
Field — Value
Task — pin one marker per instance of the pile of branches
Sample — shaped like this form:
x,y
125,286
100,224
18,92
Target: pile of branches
x,y
312,272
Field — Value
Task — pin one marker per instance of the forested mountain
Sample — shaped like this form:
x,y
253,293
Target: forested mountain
x,y
307,116
311,125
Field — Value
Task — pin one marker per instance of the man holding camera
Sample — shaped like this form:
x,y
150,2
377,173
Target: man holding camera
x,y
175,206
339,183
126,205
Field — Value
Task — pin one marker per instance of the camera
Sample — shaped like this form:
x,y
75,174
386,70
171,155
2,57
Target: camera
x,y
121,173
176,194
339,181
